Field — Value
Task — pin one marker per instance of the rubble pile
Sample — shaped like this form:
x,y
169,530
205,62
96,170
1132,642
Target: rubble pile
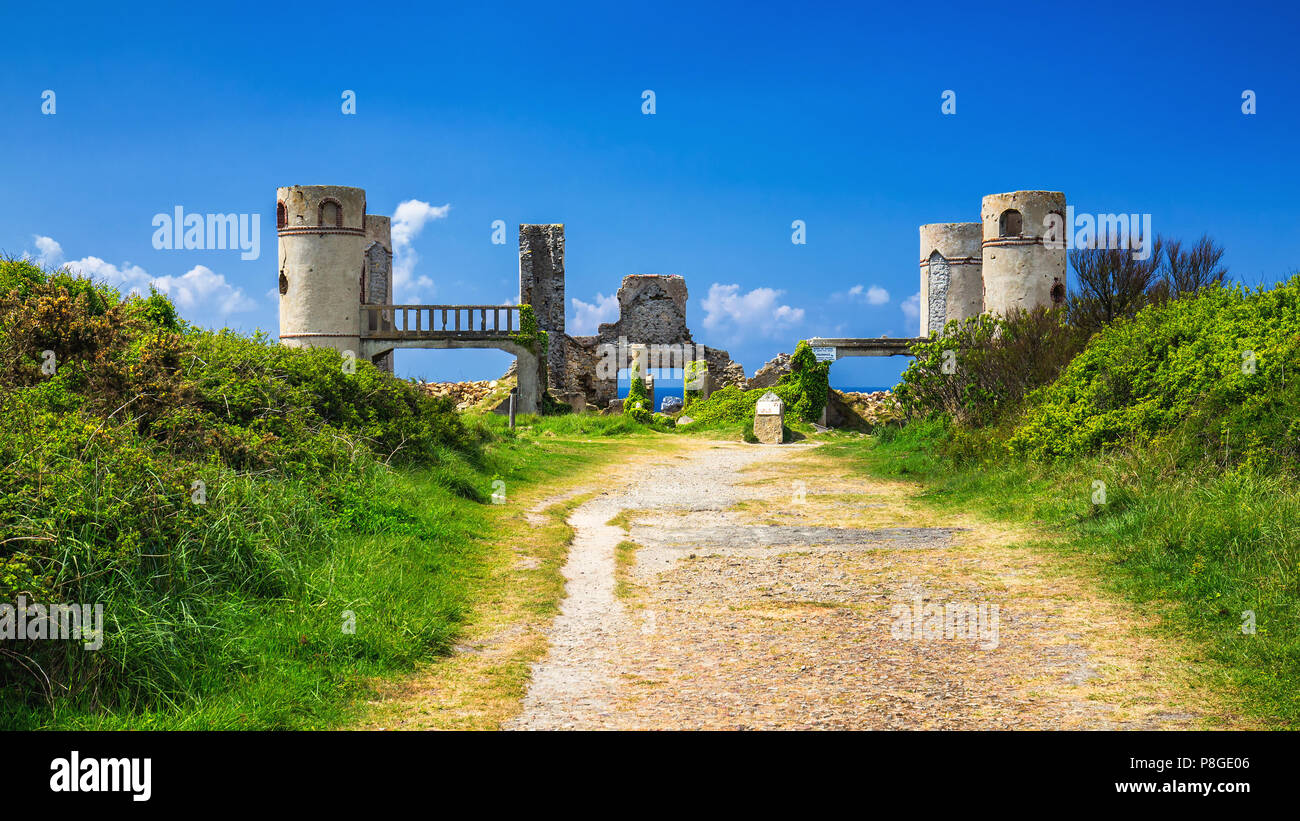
x,y
466,395
862,411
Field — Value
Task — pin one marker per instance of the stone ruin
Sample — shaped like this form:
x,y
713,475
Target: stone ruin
x,y
652,313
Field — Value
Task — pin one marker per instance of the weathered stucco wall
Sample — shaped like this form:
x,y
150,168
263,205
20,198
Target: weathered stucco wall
x,y
321,240
1019,271
951,283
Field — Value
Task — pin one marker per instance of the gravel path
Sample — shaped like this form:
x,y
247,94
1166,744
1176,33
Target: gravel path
x,y
766,595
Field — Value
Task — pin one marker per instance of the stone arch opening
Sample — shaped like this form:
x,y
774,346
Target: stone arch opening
x,y
284,284
281,215
1011,223
330,213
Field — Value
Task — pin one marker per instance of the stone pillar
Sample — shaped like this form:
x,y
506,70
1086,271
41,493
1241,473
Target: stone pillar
x,y
769,419
530,389
378,278
541,285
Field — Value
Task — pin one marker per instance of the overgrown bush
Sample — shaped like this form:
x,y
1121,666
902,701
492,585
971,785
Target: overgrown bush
x,y
979,370
811,382
804,391
1209,370
107,439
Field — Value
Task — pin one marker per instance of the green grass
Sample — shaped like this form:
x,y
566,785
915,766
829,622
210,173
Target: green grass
x,y
1204,546
624,560
407,568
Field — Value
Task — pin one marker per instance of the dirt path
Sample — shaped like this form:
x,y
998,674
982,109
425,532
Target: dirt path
x,y
772,588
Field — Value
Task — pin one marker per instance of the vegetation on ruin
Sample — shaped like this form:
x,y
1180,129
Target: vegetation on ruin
x,y
529,334
804,391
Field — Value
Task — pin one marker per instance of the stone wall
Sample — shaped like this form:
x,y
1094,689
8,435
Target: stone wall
x,y
771,373
581,361
652,310
541,285
378,275
722,371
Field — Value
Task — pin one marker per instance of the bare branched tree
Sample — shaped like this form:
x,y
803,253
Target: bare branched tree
x,y
1112,284
1186,272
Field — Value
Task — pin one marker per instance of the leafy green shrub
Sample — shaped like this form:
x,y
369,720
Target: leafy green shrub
x,y
103,458
637,413
811,382
804,391
637,395
1207,370
694,371
530,335
980,369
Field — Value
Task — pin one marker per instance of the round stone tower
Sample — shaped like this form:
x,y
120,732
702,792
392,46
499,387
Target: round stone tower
x,y
951,285
1020,271
322,242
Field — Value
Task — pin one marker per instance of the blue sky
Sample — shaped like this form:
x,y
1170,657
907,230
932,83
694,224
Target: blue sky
x,y
765,114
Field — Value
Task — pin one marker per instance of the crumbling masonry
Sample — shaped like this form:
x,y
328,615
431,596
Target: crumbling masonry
x,y
336,290
652,312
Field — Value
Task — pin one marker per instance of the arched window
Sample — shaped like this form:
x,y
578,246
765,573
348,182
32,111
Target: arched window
x,y
281,215
284,284
330,213
1010,224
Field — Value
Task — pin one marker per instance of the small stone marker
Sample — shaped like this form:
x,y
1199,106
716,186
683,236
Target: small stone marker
x,y
769,419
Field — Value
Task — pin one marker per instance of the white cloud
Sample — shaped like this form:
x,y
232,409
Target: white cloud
x,y
198,288
128,277
588,316
912,307
875,295
51,253
408,221
756,309
201,286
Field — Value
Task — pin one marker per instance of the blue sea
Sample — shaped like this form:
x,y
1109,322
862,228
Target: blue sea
x,y
663,387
